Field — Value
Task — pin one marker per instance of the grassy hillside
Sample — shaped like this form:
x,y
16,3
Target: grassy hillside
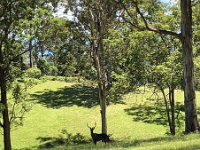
x,y
61,111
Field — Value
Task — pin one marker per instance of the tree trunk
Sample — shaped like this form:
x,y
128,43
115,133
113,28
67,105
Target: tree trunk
x,y
109,76
30,57
102,92
22,63
30,48
6,122
5,114
172,106
103,115
167,109
109,80
97,33
191,121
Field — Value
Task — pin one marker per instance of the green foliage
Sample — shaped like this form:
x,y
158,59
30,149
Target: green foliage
x,y
65,139
2,107
89,72
33,73
15,72
44,66
19,105
73,139
53,70
119,88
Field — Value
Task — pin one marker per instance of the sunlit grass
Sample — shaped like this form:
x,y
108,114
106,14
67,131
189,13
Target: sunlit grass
x,y
127,131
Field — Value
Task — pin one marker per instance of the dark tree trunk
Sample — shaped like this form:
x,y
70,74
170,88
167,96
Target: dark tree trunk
x,y
191,121
30,58
167,110
6,122
30,49
172,106
3,87
22,63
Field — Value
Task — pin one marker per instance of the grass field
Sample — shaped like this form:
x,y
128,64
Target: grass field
x,y
61,110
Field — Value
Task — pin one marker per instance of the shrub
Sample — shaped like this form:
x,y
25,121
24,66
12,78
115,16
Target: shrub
x,y
44,66
33,73
54,70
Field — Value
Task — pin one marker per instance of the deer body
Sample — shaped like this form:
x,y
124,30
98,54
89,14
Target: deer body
x,y
99,137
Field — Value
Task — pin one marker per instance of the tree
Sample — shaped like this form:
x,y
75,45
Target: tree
x,y
94,18
191,121
149,62
11,48
35,28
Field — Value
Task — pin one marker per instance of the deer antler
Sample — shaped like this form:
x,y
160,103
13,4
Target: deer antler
x,y
88,126
92,127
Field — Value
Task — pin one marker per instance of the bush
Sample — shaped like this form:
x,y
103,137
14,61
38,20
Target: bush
x,y
33,73
54,70
44,66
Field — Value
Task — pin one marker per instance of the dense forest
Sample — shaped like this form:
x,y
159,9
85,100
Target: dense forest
x,y
115,46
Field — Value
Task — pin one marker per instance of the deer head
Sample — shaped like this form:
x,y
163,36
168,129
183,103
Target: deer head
x,y
91,128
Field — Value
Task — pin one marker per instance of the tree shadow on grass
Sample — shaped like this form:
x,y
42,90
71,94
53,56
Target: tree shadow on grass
x,y
148,114
154,113
65,139
69,96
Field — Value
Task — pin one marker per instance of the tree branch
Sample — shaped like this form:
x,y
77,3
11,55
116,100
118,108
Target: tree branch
x,y
160,31
147,27
15,57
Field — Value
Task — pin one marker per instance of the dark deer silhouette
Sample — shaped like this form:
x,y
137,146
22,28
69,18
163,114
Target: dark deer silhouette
x,y
98,137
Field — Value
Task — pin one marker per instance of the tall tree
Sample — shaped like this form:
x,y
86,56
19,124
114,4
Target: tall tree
x,y
11,48
95,18
191,121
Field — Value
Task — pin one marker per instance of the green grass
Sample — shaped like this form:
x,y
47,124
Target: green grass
x,y
60,107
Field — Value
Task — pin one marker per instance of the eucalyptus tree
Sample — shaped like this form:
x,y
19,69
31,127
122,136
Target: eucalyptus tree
x,y
184,34
11,49
94,18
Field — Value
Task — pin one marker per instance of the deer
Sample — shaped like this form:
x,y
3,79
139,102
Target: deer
x,y
98,137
